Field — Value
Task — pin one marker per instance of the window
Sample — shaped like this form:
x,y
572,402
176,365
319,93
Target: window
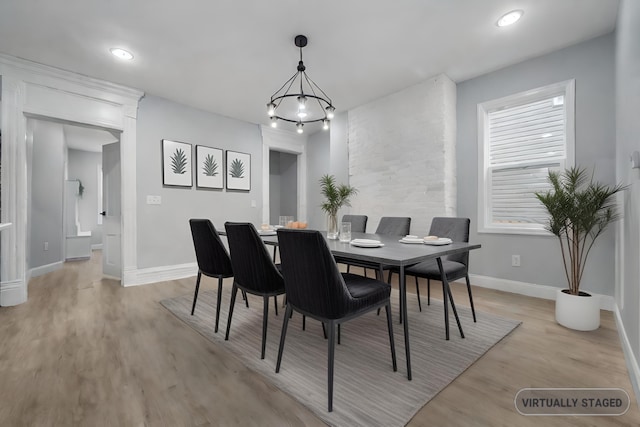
x,y
520,138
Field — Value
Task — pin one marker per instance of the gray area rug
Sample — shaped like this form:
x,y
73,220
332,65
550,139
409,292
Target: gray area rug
x,y
366,390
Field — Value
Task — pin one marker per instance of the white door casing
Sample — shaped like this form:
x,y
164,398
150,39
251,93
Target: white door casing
x,y
30,89
111,237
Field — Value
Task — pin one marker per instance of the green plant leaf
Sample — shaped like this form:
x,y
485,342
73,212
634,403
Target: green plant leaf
x,y
210,167
579,211
179,162
335,195
237,169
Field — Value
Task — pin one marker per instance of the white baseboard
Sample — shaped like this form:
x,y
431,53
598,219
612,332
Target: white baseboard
x,y
96,247
145,276
632,362
531,289
12,293
44,269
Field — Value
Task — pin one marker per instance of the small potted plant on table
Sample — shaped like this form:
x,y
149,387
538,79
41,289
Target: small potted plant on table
x,y
336,196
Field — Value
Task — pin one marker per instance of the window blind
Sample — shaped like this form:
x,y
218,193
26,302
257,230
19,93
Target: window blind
x,y
525,141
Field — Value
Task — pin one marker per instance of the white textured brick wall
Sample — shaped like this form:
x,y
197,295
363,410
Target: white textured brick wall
x,y
402,155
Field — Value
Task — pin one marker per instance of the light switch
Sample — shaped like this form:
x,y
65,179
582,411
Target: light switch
x,y
154,200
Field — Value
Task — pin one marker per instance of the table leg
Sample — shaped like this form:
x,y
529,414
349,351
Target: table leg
x,y
448,297
403,315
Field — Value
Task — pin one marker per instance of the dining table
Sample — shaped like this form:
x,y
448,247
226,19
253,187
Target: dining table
x,y
393,253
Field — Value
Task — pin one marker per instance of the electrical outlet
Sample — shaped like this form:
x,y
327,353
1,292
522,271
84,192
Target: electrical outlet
x,y
515,260
154,200
46,246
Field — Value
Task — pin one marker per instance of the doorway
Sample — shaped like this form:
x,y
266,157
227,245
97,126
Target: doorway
x,y
65,171
283,185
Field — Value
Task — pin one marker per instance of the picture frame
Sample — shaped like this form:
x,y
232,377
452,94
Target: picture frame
x,y
209,167
238,171
176,163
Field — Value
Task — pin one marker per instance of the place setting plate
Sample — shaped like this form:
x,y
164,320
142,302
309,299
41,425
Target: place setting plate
x,y
366,243
410,239
437,242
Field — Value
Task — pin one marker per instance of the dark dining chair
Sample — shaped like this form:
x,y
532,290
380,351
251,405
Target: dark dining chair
x,y
358,225
394,226
358,222
212,256
254,270
454,266
316,288
390,226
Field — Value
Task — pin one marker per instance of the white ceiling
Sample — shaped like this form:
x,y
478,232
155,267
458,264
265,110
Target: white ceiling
x,y
229,56
87,138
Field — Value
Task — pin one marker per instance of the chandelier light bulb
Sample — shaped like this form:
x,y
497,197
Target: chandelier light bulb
x,y
302,113
271,109
274,122
302,101
330,112
325,124
300,126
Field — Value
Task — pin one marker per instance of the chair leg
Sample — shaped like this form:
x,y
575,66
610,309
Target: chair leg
x,y
195,296
244,297
428,291
275,303
332,350
418,294
265,317
348,267
283,335
234,291
304,322
218,304
455,312
391,340
338,333
324,331
473,310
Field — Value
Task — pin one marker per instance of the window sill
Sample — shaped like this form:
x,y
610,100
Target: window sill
x,y
516,231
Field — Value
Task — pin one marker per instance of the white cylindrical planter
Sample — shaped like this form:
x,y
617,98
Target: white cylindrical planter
x,y
581,313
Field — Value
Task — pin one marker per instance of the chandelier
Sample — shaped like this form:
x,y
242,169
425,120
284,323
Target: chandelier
x,y
300,100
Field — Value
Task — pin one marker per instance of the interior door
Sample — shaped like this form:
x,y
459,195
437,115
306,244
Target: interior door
x,y
111,203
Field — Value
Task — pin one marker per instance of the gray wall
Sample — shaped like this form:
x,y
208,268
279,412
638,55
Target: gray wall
x,y
47,184
163,236
591,64
83,165
283,185
627,141
317,166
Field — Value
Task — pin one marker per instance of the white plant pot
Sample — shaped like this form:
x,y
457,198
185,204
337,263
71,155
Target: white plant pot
x,y
581,313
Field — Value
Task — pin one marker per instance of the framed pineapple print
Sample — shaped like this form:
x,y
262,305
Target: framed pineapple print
x,y
238,171
209,167
176,163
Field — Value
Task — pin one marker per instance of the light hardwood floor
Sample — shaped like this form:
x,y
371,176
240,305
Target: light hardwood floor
x,y
85,351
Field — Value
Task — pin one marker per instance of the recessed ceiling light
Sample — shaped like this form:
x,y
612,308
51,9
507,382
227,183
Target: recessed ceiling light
x,y
121,53
510,18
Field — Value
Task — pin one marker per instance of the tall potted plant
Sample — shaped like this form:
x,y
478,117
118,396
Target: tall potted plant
x,y
335,196
579,211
